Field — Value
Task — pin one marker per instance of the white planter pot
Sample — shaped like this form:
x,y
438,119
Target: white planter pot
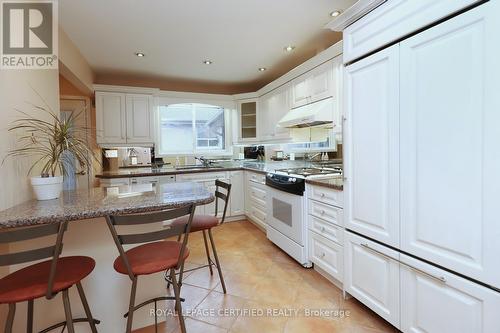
x,y
47,188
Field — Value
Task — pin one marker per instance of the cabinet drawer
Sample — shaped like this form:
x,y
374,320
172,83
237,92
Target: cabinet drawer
x,y
258,195
258,214
392,21
326,195
201,177
464,305
327,255
329,213
256,177
326,229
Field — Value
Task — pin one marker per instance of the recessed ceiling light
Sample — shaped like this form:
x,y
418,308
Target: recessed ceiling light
x,y
261,69
335,13
289,48
140,54
207,62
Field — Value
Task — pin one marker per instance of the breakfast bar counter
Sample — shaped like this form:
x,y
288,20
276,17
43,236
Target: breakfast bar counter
x,y
99,202
107,291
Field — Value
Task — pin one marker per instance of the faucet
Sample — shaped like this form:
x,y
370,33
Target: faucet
x,y
205,162
312,157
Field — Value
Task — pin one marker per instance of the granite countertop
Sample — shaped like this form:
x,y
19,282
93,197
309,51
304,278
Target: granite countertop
x,y
262,167
334,182
99,202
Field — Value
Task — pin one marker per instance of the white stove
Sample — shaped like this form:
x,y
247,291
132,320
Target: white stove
x,y
286,209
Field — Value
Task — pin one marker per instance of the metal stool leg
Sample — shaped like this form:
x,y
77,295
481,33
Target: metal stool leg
x,y
217,260
178,301
67,312
29,327
86,307
10,318
131,305
208,252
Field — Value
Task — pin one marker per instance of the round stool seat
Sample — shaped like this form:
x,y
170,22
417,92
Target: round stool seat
x,y
151,258
200,222
31,282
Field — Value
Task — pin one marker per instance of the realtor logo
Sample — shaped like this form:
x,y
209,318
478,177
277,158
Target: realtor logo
x,y
29,35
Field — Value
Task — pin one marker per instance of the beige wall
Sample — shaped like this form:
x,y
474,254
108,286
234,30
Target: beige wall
x,y
73,66
18,88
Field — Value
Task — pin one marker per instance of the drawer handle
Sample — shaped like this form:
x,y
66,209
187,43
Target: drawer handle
x,y
323,229
323,255
441,279
322,195
322,212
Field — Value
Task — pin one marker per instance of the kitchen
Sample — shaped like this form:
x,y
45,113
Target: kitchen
x,y
342,183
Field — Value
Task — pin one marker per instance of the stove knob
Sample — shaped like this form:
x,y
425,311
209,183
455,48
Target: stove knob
x,y
293,180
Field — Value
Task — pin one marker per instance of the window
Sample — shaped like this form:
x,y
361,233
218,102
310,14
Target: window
x,y
192,128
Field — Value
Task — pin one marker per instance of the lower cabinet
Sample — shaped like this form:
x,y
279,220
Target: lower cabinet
x,y
327,255
415,296
255,198
237,196
435,301
372,276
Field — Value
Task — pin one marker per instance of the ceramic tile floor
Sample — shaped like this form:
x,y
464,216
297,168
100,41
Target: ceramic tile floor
x,y
260,280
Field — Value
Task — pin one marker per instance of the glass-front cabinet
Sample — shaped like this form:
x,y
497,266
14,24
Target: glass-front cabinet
x,y
247,113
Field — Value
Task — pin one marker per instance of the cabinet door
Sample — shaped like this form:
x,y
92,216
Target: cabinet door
x,y
450,159
463,306
372,276
372,141
247,111
320,82
266,125
280,106
110,118
237,196
140,119
300,90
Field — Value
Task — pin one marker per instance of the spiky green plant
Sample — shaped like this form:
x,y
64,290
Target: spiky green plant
x,y
53,143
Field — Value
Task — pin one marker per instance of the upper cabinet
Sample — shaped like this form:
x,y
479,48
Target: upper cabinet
x,y
313,86
124,118
274,106
394,20
247,120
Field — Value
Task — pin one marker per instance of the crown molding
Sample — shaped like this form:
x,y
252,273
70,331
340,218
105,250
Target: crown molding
x,y
353,13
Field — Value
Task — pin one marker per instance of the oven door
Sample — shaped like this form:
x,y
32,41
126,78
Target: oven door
x,y
285,214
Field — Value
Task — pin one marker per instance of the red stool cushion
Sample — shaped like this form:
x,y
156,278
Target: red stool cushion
x,y
151,258
31,282
200,222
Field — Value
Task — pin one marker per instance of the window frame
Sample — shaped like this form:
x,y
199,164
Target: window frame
x,y
227,106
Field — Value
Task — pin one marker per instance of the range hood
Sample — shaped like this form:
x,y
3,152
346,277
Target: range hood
x,y
315,114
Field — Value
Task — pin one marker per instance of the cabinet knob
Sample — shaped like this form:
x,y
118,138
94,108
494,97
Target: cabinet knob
x,y
322,212
323,255
322,229
322,195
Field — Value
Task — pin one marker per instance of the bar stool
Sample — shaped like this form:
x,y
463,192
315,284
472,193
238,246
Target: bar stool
x,y
46,278
205,223
156,255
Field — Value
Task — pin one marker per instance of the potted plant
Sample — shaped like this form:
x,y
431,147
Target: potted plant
x,y
54,145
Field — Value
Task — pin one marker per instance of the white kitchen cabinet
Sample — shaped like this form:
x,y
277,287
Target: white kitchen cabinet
x,y
208,180
313,86
111,122
372,146
140,118
327,255
124,118
436,301
237,196
449,144
255,198
248,120
274,106
371,274
394,20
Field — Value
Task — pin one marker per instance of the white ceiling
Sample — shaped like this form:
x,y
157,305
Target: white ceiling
x,y
239,36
